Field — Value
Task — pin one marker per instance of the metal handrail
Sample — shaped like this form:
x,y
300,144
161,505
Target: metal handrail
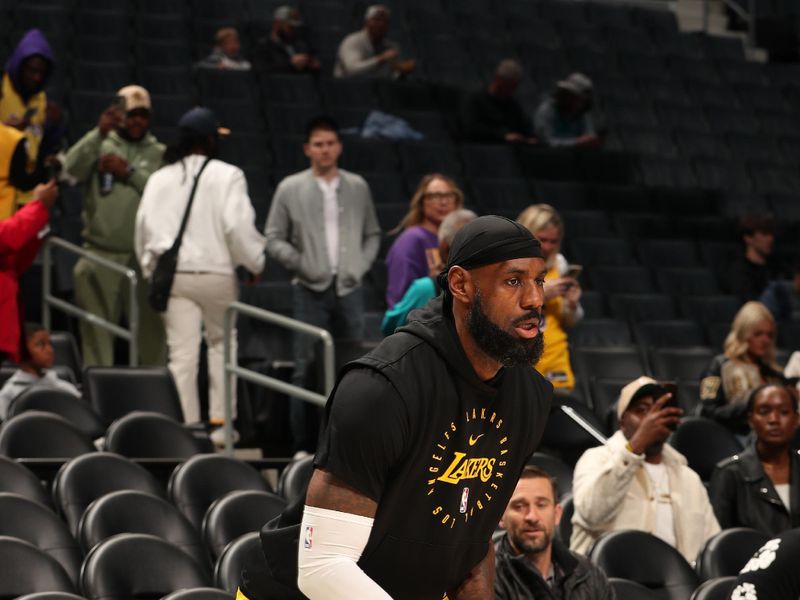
x,y
232,369
583,423
131,335
746,14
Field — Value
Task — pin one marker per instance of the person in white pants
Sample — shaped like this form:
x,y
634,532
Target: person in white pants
x,y
220,235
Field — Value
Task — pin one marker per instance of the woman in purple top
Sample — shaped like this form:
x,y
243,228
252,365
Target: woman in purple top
x,y
412,253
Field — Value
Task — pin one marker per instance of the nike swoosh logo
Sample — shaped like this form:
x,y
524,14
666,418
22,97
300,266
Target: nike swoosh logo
x,y
474,439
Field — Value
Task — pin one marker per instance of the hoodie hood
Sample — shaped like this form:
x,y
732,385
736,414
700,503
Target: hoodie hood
x,y
32,43
434,324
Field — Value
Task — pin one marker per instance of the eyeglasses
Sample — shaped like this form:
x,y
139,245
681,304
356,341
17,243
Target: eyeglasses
x,y
440,196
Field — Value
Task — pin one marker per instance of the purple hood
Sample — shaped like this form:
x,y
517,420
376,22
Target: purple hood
x,y
32,43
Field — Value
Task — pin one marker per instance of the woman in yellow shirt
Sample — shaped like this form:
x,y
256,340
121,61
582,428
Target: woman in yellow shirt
x,y
562,295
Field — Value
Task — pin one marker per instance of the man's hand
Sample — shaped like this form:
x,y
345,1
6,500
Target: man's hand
x,y
116,165
656,425
111,118
560,287
388,55
46,193
300,61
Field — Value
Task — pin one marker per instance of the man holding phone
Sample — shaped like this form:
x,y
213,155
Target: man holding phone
x,y
113,162
638,481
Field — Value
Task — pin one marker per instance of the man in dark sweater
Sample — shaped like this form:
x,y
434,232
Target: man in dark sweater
x,y
285,50
493,114
533,564
751,272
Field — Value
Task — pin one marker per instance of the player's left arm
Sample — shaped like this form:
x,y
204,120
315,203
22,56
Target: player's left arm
x,y
479,584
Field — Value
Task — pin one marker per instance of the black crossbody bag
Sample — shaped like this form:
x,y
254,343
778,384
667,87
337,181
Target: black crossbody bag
x,y
164,274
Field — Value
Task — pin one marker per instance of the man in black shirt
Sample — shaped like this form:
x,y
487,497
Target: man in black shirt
x,y
423,441
751,272
284,50
493,115
533,564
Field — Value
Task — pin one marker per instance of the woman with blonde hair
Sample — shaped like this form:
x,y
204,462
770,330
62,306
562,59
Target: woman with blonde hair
x,y
562,295
748,361
414,252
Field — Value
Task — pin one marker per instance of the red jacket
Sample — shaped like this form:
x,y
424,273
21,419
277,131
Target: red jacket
x,y
19,244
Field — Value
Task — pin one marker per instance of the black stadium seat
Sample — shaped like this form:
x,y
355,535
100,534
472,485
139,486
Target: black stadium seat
x,y
128,564
18,479
557,469
622,280
669,333
51,596
646,559
25,569
625,589
680,363
704,443
294,478
600,332
36,434
715,589
621,362
725,554
62,403
204,593
151,435
229,566
643,307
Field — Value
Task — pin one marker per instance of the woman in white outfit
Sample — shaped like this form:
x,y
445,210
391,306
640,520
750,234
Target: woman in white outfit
x,y
220,235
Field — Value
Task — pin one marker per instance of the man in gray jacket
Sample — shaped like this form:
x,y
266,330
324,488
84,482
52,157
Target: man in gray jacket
x,y
531,563
322,227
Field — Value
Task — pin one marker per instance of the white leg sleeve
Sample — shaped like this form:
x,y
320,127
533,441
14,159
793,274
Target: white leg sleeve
x,y
331,542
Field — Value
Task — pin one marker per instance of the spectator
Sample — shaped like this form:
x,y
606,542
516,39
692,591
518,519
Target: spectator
x,y
23,102
562,294
113,162
34,368
563,118
220,235
226,52
792,370
369,53
424,289
322,227
285,51
760,487
412,253
638,481
782,298
751,272
531,562
493,115
748,361
20,238
14,175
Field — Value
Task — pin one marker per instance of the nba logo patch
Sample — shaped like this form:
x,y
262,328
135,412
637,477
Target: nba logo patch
x,y
464,500
307,537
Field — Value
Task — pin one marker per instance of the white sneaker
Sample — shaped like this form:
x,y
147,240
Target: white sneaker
x,y
217,437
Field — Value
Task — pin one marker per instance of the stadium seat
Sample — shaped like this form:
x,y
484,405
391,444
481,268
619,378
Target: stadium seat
x,y
668,253
101,76
600,332
229,566
715,589
621,362
131,511
563,195
51,596
630,590
564,528
602,251
622,280
557,469
704,443
669,333
374,156
116,391
167,81
710,308
25,569
604,393
644,226
204,593
419,158
563,436
125,564
355,92
30,521
18,479
687,281
196,483
36,434
295,477
725,554
593,304
680,363
236,514
586,224
62,403
642,307
646,559
84,479
65,350
399,95
151,435
547,164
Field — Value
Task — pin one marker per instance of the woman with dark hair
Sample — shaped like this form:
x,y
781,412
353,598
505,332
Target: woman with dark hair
x,y
760,487
413,252
220,235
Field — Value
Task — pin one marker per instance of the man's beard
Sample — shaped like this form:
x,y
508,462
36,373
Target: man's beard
x,y
499,344
527,547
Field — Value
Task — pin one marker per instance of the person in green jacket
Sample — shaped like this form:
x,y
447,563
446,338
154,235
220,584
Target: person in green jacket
x,y
113,162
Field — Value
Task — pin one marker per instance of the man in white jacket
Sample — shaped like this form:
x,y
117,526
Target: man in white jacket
x,y
638,481
220,235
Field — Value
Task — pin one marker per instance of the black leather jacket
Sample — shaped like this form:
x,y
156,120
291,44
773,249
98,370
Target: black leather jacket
x,y
577,578
743,496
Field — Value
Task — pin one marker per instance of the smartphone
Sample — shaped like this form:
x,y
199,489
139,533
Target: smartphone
x,y
118,102
433,257
671,388
574,271
29,114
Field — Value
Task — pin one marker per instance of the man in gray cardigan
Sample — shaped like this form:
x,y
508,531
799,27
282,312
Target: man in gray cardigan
x,y
322,227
